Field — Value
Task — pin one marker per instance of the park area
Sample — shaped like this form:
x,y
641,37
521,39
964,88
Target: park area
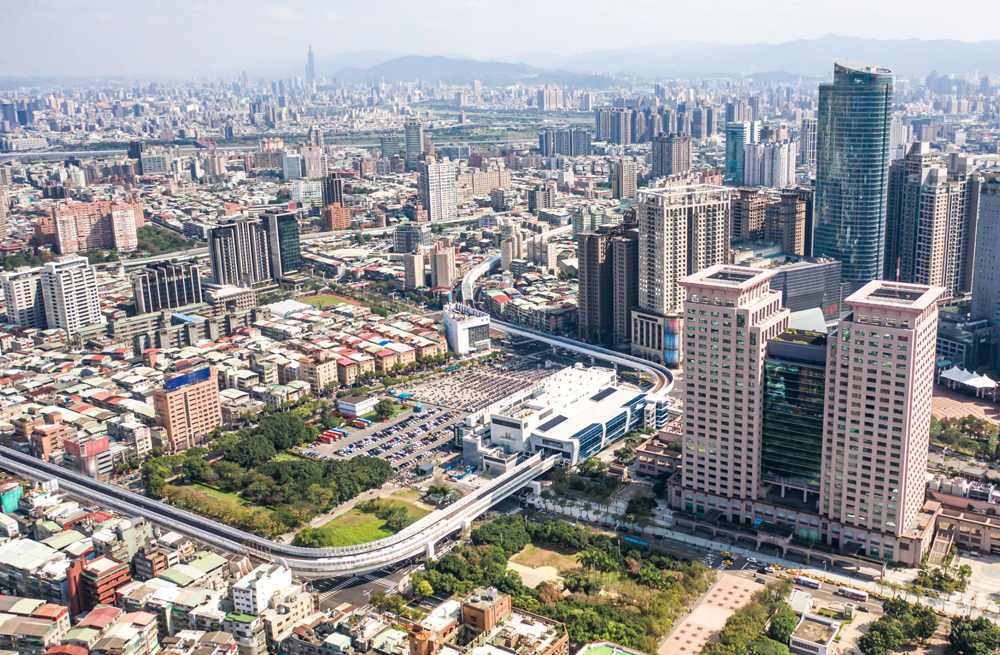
x,y
368,521
537,565
321,302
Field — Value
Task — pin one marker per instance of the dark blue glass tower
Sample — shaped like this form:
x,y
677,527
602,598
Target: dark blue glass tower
x,y
852,160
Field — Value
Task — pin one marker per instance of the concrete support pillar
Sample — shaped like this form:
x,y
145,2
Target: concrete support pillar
x,y
805,496
429,553
782,490
466,526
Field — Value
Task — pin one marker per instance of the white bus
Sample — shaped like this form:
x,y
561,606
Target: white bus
x,y
806,581
856,594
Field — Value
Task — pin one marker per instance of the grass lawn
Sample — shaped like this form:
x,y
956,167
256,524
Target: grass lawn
x,y
320,302
225,495
284,457
356,527
534,557
396,411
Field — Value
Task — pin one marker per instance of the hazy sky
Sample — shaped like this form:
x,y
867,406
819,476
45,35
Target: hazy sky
x,y
213,37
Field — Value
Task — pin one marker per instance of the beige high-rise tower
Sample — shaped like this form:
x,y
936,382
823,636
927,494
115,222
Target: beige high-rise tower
x,y
880,379
729,314
804,435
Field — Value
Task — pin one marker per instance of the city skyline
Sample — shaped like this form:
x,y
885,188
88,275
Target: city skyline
x,y
224,38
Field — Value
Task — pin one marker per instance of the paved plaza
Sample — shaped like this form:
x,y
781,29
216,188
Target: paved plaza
x,y
728,595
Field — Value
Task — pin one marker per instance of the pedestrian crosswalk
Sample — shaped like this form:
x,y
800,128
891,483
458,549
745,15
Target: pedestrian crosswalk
x,y
371,578
385,582
516,510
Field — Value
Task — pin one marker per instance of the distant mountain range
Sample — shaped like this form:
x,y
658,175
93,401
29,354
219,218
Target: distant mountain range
x,y
463,71
790,61
805,59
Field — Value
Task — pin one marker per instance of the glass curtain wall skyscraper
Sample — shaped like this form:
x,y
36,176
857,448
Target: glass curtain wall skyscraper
x,y
852,152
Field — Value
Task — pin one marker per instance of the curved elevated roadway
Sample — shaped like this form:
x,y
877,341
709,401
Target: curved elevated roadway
x,y
416,539
664,379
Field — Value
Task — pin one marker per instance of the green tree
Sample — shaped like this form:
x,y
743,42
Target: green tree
x,y
883,636
384,409
783,624
625,454
255,449
973,637
423,588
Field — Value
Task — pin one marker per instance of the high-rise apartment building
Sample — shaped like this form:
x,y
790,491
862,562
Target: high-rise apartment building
x,y
413,269
852,150
284,250
443,271
69,292
333,190
4,212
543,196
671,154
238,251
623,179
681,230
785,223
572,142
986,274
595,298
413,136
748,209
930,220
438,190
624,285
615,125
336,217
840,420
549,99
188,407
769,164
22,289
808,129
165,285
82,226
408,238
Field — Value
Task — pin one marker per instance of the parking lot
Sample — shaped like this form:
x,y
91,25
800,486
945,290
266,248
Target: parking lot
x,y
404,441
474,388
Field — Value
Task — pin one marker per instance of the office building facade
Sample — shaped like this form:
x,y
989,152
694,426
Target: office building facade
x,y
852,150
188,407
413,135
738,135
333,190
408,238
840,421
283,244
165,285
239,252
